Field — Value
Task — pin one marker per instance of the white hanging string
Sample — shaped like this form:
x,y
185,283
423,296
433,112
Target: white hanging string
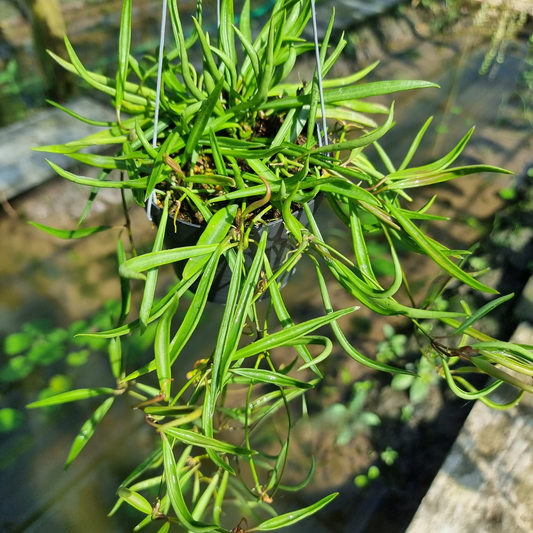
x,y
325,141
152,200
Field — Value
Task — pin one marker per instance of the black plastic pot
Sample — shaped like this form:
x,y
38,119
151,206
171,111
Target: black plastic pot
x,y
277,246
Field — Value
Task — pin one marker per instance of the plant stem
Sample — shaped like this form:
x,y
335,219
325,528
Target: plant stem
x,y
127,215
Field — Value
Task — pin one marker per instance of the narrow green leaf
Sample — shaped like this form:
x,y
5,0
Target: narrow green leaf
x,y
123,51
278,467
153,459
133,267
205,498
423,180
467,395
230,70
217,156
159,164
245,300
341,187
442,163
289,519
197,305
143,140
87,431
339,335
304,483
214,233
180,42
201,120
175,493
287,335
70,234
508,347
359,244
481,312
244,23
99,83
210,399
323,341
290,89
192,317
71,396
273,378
115,356
98,80
212,68
162,347
125,291
364,140
431,250
250,51
349,93
217,508
151,275
111,163
414,146
75,115
285,319
135,500
100,184
197,439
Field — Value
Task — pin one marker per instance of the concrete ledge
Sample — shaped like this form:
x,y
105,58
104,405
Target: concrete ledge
x,y
486,483
23,169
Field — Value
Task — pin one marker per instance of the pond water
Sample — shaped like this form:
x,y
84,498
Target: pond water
x,y
45,279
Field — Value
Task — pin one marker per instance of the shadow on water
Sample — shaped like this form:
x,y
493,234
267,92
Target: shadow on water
x,y
68,281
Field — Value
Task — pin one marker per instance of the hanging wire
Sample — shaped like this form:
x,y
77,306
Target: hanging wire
x,y
319,76
152,200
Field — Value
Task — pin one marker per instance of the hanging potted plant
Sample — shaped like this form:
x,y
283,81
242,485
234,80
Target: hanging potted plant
x,y
233,176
